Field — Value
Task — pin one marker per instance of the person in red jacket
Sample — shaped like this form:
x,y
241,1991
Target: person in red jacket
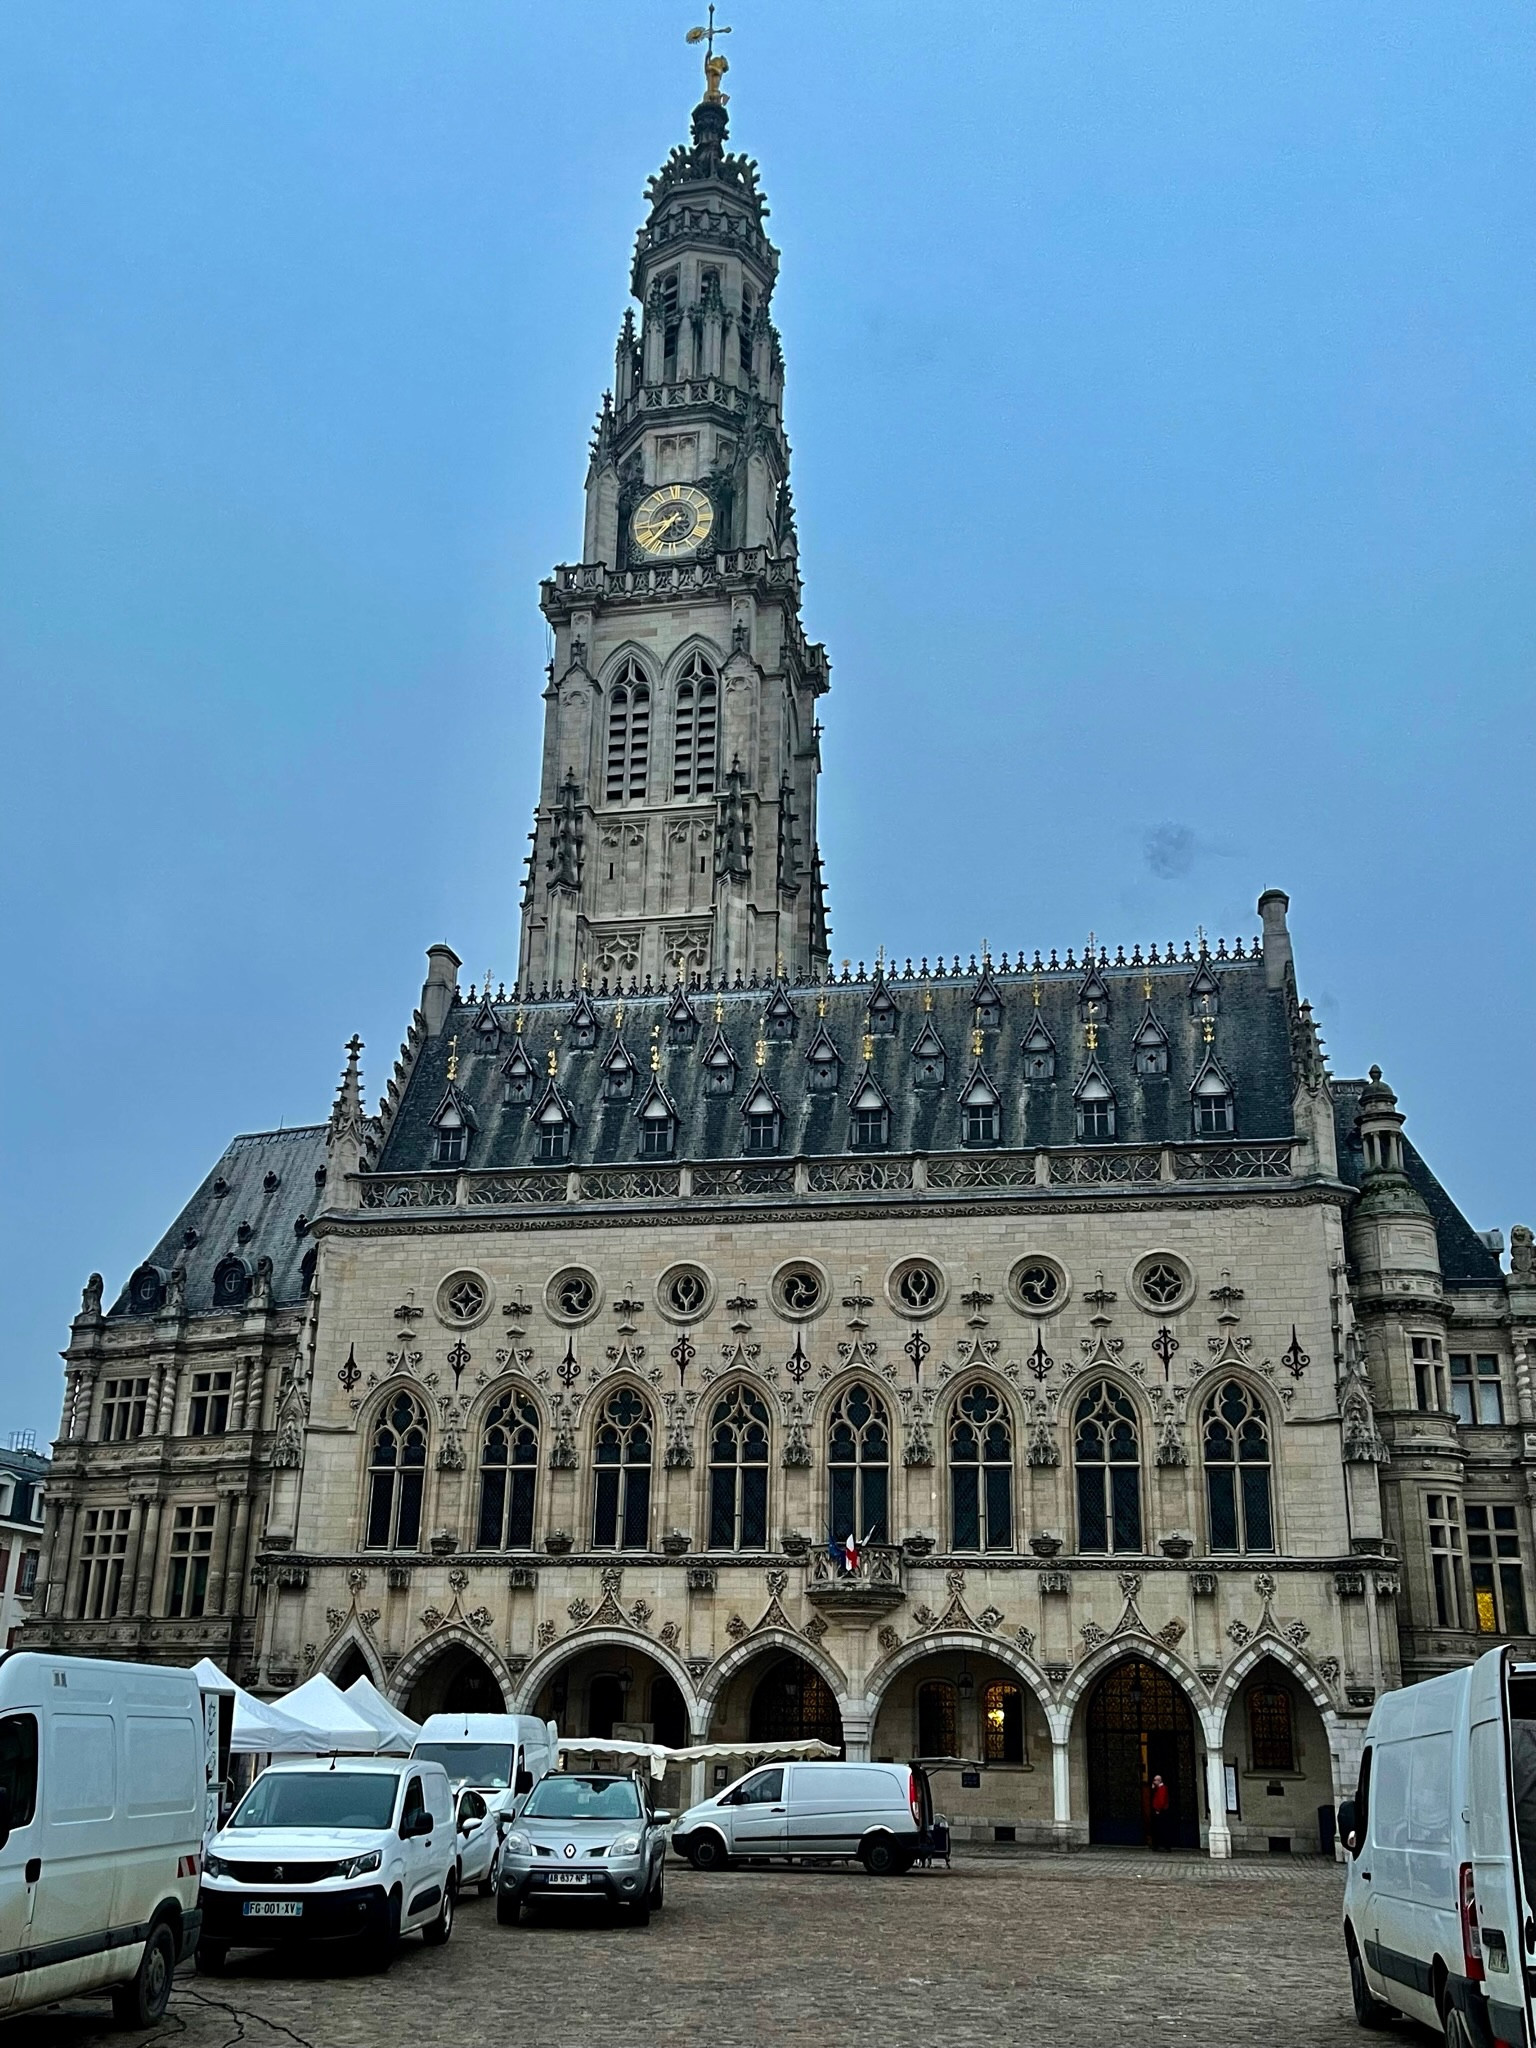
x,y
1160,1805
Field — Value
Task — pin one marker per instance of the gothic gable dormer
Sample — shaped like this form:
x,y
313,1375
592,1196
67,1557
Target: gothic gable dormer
x,y
980,1109
762,1119
453,1123
929,1060
1039,1049
1213,1102
780,1021
719,1063
519,1074
554,1124
485,1031
1204,993
682,1019
1149,1048
869,1116
824,1063
619,1071
883,1011
658,1120
987,1002
1095,1100
582,1026
1093,997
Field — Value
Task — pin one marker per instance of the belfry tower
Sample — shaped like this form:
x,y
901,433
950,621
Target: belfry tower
x,y
675,835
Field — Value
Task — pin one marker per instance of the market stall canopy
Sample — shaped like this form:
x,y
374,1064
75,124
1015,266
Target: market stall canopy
x,y
260,1728
365,1698
658,1755
321,1704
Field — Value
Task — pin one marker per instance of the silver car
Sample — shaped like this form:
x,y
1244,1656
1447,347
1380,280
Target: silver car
x,y
590,1836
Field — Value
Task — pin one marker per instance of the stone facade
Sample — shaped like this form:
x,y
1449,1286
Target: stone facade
x,y
1039,1364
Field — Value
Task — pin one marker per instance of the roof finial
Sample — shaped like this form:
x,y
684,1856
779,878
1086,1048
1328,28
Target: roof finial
x,y
715,67
453,1058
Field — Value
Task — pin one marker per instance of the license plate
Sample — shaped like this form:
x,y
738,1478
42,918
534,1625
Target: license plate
x,y
272,1909
566,1877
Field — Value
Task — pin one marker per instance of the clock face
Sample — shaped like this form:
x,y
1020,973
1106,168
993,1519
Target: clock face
x,y
674,520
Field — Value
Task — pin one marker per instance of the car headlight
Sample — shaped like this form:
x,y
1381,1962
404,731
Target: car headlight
x,y
516,1844
215,1866
362,1864
624,1845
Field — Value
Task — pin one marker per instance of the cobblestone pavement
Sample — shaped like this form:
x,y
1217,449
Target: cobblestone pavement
x,y
1089,1948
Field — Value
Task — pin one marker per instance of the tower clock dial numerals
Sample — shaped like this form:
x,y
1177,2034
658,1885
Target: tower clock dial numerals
x,y
675,520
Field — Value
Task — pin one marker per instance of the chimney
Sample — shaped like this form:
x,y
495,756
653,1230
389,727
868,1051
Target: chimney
x,y
442,980
1273,905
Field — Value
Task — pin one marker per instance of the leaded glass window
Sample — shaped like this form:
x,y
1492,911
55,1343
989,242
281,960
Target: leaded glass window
x,y
937,1718
981,1471
738,1472
509,1461
858,1461
397,1466
621,1510
1002,1724
1238,1489
1271,1736
1107,1452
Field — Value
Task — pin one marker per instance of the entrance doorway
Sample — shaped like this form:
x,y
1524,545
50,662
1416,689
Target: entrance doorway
x,y
791,1702
457,1682
1140,1727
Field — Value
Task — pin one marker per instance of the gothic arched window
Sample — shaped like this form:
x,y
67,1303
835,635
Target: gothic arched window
x,y
1271,1732
1235,1437
1107,1452
1002,1724
859,1466
937,1718
629,734
695,725
980,1471
621,1502
738,1472
397,1470
509,1461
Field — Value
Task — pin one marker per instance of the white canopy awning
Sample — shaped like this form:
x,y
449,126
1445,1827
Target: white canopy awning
x,y
365,1698
260,1728
658,1755
321,1704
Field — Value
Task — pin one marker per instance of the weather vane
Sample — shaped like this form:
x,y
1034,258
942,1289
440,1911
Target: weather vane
x,y
715,67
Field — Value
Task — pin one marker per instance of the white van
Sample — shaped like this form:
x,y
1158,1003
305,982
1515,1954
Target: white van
x,y
354,1848
104,1775
880,1813
1441,1842
500,1756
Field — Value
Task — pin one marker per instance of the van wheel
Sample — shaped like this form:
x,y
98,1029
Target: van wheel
x,y
212,1958
437,1931
1369,2010
142,2002
1458,2034
881,1857
382,1947
709,1853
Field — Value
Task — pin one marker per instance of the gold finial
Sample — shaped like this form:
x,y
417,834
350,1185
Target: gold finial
x,y
1209,1032
453,1059
1093,949
846,965
778,965
585,973
655,1048
821,1006
986,954
1091,1035
1146,988
869,1047
618,1016
1037,995
976,1042
553,1063
715,67
761,1049
719,1009
486,991
927,998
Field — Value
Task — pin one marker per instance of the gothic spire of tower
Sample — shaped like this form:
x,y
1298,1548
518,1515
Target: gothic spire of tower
x,y
679,651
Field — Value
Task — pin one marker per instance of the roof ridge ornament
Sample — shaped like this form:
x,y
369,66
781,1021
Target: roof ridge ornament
x,y
715,67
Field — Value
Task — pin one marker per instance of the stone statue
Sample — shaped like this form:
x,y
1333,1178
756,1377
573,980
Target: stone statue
x,y
90,1295
1522,1253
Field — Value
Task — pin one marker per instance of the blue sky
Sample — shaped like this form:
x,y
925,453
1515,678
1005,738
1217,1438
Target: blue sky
x,y
1160,388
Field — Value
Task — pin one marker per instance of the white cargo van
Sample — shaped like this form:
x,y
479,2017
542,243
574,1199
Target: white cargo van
x,y
1441,1842
880,1813
103,1783
500,1756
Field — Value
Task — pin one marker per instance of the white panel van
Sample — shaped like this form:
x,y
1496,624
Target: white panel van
x,y
103,1786
1441,1843
880,1813
500,1756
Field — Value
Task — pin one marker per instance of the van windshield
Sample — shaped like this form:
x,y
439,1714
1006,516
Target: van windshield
x,y
566,1798
318,1799
488,1764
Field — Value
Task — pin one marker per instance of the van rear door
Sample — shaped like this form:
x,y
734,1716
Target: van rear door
x,y
1501,1830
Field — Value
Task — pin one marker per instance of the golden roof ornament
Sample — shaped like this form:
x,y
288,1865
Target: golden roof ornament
x,y
453,1059
715,66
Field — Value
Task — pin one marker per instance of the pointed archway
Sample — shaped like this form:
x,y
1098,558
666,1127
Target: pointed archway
x,y
352,1667
456,1681
1140,1726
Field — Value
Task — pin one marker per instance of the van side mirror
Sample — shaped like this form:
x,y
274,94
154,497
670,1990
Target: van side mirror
x,y
524,1783
1348,1833
6,1811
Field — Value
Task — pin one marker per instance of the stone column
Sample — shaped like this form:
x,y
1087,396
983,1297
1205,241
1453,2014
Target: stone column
x,y
239,1541
129,1593
218,1559
856,1732
60,1555
1061,1789
149,1557
1219,1841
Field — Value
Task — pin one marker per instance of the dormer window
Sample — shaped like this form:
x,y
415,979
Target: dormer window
x,y
487,1028
1039,1052
1095,1108
451,1147
1149,1049
581,1027
682,1024
719,1066
779,1019
1204,994
929,1063
517,1071
1093,997
231,1283
987,1004
1212,1096
823,1064
658,1124
761,1123
980,1112
882,1013
552,1133
618,1075
869,1119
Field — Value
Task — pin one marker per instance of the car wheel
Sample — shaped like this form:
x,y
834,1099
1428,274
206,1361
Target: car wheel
x,y
640,1913
709,1853
437,1931
212,1958
382,1947
658,1896
1458,2034
881,1857
487,1885
142,2001
1369,2010
508,1910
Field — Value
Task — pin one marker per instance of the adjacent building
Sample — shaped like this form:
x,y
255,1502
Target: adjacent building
x,y
1036,1360
23,1482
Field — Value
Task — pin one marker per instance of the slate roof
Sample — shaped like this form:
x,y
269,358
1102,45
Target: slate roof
x,y
1251,1042
292,1158
1463,1255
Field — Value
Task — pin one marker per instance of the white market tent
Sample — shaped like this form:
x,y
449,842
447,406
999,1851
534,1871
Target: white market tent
x,y
261,1728
364,1697
658,1755
321,1704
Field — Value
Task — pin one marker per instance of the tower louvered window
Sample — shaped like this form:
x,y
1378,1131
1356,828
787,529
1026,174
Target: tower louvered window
x,y
629,734
695,729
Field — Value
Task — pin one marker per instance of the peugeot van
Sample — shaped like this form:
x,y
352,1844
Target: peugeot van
x,y
1440,1840
104,1771
879,1813
333,1849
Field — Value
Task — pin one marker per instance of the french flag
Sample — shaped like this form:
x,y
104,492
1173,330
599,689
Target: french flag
x,y
850,1553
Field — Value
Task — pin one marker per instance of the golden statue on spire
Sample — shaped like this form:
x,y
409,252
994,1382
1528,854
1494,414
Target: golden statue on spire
x,y
715,67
